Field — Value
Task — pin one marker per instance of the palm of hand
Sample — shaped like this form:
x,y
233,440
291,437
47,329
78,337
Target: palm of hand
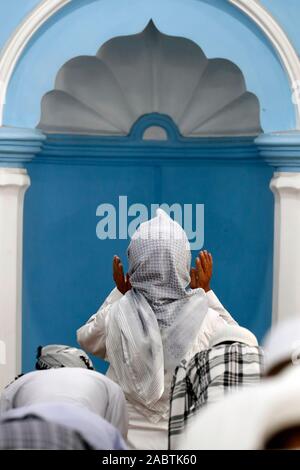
x,y
122,282
201,275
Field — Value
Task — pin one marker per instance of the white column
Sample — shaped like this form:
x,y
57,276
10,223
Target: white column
x,y
281,150
13,185
286,286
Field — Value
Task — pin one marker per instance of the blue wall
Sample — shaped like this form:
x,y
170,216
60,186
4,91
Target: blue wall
x,y
12,14
67,269
287,13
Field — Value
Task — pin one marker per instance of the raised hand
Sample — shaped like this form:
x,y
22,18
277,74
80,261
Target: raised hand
x,y
122,282
201,275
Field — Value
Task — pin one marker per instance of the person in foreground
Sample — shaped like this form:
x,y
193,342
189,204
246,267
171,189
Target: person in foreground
x,y
159,314
34,433
267,416
233,362
69,395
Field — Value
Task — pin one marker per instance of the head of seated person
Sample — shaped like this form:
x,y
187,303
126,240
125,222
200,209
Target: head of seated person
x,y
55,356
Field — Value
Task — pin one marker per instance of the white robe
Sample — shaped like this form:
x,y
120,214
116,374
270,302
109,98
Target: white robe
x,y
148,429
81,387
96,431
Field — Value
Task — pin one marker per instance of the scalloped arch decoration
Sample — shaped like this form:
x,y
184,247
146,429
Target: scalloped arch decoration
x,y
146,73
18,41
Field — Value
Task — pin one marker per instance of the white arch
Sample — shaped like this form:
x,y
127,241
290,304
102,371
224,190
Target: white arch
x,y
47,8
17,42
278,38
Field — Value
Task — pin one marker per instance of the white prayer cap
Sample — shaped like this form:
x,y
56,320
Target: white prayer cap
x,y
233,333
58,355
282,343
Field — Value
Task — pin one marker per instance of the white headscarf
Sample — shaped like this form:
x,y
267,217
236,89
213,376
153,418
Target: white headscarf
x,y
153,326
58,355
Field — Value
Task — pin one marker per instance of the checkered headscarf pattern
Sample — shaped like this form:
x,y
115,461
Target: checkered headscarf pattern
x,y
55,356
32,433
159,266
207,378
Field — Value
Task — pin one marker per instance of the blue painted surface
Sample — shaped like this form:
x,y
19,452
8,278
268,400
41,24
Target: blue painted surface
x,y
216,26
19,146
67,269
12,13
287,13
99,150
281,150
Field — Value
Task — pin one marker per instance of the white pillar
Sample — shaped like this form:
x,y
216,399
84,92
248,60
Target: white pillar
x,y
13,185
17,147
286,286
281,150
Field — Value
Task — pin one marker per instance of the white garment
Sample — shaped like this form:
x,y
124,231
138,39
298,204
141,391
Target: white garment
x,y
144,434
282,343
92,338
76,386
96,431
92,335
232,334
246,420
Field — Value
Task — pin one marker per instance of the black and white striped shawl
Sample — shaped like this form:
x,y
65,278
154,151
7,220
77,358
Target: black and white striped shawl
x,y
206,378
